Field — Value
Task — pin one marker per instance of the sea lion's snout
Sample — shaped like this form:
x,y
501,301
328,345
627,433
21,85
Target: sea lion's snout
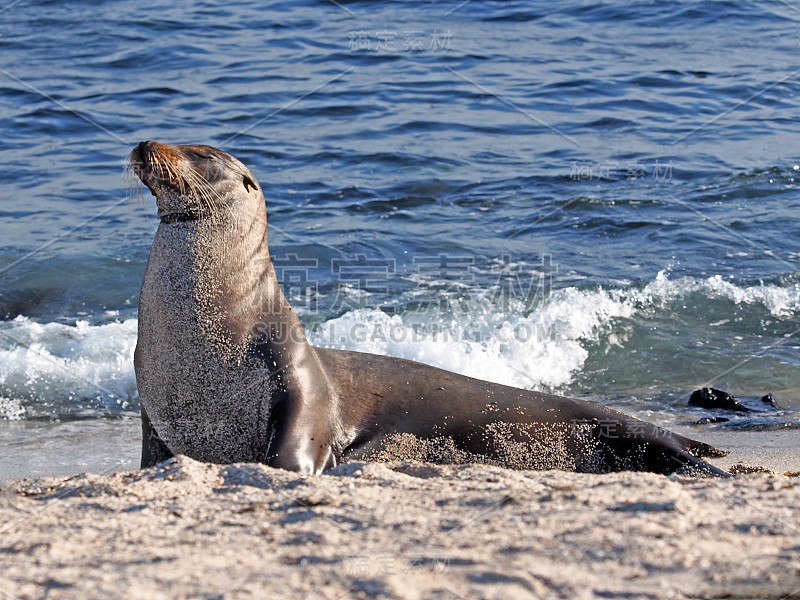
x,y
141,168
141,163
158,165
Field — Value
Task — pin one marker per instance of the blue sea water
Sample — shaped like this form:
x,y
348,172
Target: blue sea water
x,y
593,198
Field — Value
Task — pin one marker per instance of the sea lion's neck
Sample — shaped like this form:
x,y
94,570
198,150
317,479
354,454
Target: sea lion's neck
x,y
238,299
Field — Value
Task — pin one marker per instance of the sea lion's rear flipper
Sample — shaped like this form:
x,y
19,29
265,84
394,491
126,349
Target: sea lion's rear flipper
x,y
696,448
682,455
645,447
703,449
697,466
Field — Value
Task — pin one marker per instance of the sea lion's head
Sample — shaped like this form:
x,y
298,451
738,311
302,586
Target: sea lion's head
x,y
191,181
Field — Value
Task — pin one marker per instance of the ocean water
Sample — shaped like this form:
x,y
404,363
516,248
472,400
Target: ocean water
x,y
594,199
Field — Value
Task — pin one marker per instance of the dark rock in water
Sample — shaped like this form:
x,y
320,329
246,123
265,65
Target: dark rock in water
x,y
768,399
14,303
748,413
718,399
713,398
709,420
763,425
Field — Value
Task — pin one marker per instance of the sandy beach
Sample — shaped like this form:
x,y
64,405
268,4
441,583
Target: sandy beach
x,y
187,529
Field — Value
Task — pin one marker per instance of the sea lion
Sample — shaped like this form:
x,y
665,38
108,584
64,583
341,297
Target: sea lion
x,y
225,373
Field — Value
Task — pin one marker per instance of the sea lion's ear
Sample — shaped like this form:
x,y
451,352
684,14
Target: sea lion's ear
x,y
249,183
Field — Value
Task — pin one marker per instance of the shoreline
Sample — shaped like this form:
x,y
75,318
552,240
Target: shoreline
x,y
35,449
777,450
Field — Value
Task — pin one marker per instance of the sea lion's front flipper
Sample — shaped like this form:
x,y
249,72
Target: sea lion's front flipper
x,y
154,450
300,437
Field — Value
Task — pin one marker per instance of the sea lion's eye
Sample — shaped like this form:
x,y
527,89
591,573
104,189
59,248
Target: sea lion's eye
x,y
249,183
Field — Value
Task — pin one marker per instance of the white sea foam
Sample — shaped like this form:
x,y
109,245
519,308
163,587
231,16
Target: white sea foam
x,y
46,368
541,350
51,369
779,301
11,409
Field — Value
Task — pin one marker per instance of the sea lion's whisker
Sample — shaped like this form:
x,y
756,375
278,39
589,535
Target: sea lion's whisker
x,y
133,184
205,194
162,167
196,185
